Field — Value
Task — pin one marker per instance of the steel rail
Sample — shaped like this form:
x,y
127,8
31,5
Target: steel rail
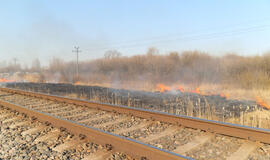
x,y
129,146
234,130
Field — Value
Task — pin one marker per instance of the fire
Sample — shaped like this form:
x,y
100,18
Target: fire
x,y
226,96
5,80
77,83
180,88
163,88
197,90
260,102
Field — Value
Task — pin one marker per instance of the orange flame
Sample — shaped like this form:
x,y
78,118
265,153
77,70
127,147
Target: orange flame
x,y
226,96
5,80
197,90
260,102
180,88
77,83
163,88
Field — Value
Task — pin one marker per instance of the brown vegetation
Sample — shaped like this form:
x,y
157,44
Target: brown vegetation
x,y
233,76
190,68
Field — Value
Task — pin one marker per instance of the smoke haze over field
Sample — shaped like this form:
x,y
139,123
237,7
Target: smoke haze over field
x,y
44,37
46,29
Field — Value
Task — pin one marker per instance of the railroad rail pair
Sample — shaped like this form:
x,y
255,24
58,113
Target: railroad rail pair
x,y
126,145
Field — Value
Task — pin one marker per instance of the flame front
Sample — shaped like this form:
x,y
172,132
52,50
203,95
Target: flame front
x,y
3,80
77,83
197,90
181,89
224,95
260,102
163,88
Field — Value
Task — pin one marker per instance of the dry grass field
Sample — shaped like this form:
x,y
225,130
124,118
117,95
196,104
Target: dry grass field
x,y
230,76
260,117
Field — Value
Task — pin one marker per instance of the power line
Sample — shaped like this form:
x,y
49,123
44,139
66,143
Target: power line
x,y
192,37
192,32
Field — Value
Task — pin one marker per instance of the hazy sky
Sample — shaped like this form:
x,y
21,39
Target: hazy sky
x,y
43,29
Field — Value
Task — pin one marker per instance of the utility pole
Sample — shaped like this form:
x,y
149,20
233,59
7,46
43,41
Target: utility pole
x,y
77,51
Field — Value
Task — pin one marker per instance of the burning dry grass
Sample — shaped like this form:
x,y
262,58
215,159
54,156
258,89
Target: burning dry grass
x,y
175,100
3,80
258,118
230,76
261,96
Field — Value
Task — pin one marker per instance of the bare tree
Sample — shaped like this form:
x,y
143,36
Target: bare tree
x,y
112,54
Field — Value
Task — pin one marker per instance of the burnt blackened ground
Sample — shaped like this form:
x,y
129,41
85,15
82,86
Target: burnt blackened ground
x,y
190,104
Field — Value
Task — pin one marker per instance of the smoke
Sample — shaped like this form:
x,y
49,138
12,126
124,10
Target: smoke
x,y
43,35
56,78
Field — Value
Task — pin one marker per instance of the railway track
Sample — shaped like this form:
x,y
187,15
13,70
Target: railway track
x,y
23,137
170,135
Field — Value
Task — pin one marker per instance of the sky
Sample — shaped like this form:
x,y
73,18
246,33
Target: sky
x,y
44,29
